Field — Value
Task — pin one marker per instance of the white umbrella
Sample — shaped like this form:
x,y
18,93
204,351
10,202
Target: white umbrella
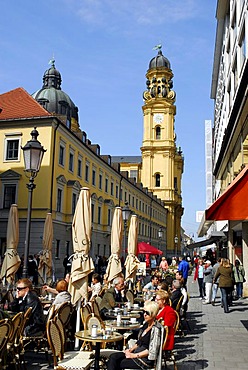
x,y
132,262
46,265
114,264
11,260
82,263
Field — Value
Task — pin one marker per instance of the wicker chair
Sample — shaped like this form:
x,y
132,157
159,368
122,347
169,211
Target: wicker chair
x,y
168,356
95,308
85,311
64,312
40,341
5,332
78,360
14,344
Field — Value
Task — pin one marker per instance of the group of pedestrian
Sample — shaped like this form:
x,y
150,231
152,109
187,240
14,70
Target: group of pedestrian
x,y
221,275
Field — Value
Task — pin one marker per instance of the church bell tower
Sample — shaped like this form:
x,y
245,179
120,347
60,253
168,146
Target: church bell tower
x,y
162,161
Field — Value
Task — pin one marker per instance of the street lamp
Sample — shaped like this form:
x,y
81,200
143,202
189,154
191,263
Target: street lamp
x,y
126,213
176,241
33,153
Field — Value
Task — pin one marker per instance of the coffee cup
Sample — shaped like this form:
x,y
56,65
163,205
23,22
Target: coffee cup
x,y
133,320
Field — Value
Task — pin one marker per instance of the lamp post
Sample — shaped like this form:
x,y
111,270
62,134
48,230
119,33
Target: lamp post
x,y
33,153
176,242
126,213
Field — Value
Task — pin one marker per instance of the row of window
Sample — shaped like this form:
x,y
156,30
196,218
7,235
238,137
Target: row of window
x,y
96,213
103,184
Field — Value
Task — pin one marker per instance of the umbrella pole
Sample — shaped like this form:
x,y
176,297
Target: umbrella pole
x,y
78,321
44,274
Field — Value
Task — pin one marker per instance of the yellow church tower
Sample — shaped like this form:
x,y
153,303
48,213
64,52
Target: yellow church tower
x,y
162,161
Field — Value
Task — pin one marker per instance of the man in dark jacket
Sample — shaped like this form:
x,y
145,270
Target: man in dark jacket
x,y
113,296
25,298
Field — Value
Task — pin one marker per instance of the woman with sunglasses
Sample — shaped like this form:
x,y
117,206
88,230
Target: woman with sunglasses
x,y
167,316
148,347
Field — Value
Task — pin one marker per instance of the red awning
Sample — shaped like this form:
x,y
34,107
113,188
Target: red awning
x,y
232,204
146,248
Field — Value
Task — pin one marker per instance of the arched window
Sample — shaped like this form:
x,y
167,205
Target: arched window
x,y
158,133
157,180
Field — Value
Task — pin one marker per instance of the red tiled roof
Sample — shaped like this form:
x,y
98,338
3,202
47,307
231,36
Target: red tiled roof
x,y
18,103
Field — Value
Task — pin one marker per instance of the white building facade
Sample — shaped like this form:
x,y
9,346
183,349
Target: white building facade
x,y
230,130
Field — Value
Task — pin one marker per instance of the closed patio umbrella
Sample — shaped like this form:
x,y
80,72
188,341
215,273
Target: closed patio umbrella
x,y
114,263
46,266
82,263
132,262
11,260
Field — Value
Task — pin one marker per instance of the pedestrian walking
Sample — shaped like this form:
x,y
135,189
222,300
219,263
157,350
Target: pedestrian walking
x,y
208,281
239,278
199,277
216,284
184,267
225,274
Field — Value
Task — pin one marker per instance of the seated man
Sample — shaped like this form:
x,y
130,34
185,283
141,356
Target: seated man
x,y
25,298
113,296
175,293
152,286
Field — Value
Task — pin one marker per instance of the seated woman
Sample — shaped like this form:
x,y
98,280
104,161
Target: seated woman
x,y
148,347
63,295
168,317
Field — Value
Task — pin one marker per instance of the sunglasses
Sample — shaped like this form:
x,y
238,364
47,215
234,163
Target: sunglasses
x,y
20,288
147,313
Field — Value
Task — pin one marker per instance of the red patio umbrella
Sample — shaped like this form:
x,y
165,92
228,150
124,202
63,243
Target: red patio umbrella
x,y
146,248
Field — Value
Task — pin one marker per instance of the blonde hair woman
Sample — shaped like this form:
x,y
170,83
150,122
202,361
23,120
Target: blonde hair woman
x,y
148,347
167,315
224,273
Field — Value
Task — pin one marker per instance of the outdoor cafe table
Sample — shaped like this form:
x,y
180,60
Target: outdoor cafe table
x,y
85,335
124,325
111,314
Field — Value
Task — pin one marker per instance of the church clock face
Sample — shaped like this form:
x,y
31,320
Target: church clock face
x,y
158,117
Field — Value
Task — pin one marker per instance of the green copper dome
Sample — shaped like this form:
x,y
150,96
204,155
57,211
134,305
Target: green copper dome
x,y
52,98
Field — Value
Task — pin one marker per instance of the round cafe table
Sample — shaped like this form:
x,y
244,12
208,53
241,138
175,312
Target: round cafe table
x,y
111,314
85,335
124,325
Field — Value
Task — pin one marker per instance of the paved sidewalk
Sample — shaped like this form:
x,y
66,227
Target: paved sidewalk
x,y
215,341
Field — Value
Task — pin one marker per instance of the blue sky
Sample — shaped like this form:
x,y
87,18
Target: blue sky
x,y
102,49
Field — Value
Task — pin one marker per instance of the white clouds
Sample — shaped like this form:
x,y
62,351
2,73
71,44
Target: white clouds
x,y
139,12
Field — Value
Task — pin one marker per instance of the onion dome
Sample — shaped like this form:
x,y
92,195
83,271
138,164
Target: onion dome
x,y
159,60
55,100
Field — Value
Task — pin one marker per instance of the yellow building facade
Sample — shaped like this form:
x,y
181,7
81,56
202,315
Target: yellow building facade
x,y
70,162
